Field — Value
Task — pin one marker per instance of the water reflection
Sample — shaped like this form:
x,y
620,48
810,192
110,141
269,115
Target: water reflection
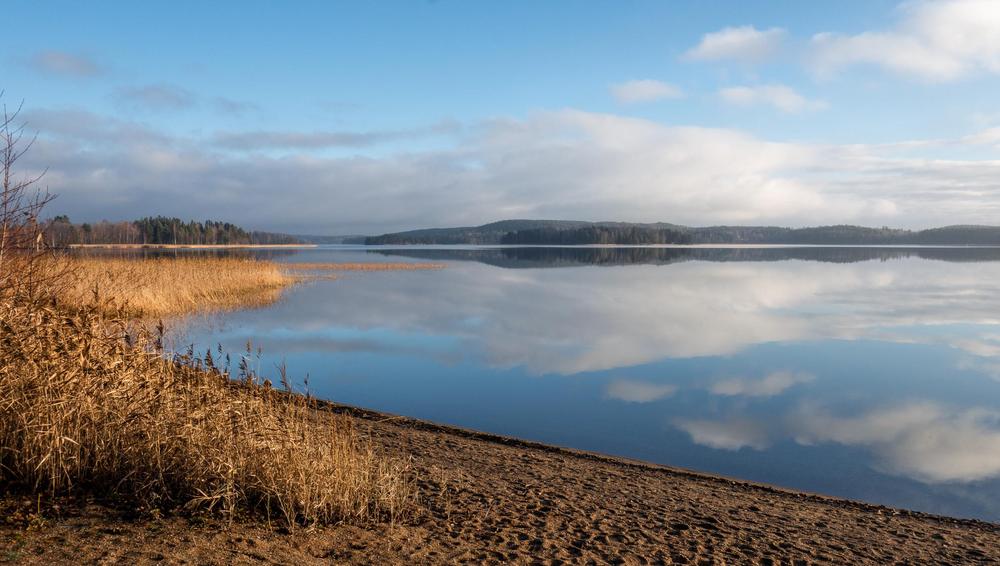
x,y
533,257
726,435
555,321
867,373
635,391
767,386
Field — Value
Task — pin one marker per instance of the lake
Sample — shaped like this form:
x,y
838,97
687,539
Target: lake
x,y
867,373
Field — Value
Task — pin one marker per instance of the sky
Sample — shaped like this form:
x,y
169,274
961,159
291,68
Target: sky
x,y
369,117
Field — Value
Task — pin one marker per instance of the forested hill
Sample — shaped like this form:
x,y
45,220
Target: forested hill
x,y
494,232
560,232
848,235
60,232
597,235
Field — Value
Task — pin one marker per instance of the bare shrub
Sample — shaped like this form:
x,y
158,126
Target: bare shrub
x,y
22,252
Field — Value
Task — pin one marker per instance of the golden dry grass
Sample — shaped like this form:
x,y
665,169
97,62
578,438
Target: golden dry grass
x,y
91,403
157,287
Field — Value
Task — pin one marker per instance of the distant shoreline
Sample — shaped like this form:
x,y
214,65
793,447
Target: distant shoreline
x,y
189,246
578,232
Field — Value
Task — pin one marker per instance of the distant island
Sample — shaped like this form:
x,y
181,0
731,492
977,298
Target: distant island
x,y
572,232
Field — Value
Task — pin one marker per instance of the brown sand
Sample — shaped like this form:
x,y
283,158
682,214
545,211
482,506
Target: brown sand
x,y
488,499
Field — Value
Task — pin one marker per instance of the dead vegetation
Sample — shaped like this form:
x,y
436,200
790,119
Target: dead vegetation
x,y
91,403
169,286
158,287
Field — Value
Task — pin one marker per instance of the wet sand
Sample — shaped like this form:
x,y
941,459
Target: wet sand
x,y
490,499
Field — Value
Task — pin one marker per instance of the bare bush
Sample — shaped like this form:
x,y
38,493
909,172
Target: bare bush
x,y
22,251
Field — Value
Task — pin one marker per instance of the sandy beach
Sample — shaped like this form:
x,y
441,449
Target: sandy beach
x,y
491,499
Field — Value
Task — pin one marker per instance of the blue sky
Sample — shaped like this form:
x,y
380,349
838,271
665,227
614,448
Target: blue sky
x,y
338,117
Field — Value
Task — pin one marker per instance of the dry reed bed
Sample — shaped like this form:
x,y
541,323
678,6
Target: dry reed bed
x,y
156,287
90,403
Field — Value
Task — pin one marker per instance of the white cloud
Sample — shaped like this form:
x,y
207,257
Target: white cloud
x,y
987,136
645,90
65,64
745,43
725,435
639,391
779,96
767,386
922,440
934,40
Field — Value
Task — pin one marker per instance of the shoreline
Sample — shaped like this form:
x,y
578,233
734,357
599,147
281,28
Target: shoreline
x,y
380,417
487,498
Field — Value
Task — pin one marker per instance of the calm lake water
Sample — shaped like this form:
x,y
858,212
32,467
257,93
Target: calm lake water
x,y
868,373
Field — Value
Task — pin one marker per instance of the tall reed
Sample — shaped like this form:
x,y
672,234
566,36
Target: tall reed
x,y
90,403
156,287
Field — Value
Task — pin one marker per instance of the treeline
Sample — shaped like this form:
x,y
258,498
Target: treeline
x,y
487,234
443,236
622,235
568,232
159,230
848,235
430,237
817,235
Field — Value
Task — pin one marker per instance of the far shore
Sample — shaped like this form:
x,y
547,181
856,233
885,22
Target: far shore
x,y
191,246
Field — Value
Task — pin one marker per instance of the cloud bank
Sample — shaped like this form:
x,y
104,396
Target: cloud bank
x,y
554,164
